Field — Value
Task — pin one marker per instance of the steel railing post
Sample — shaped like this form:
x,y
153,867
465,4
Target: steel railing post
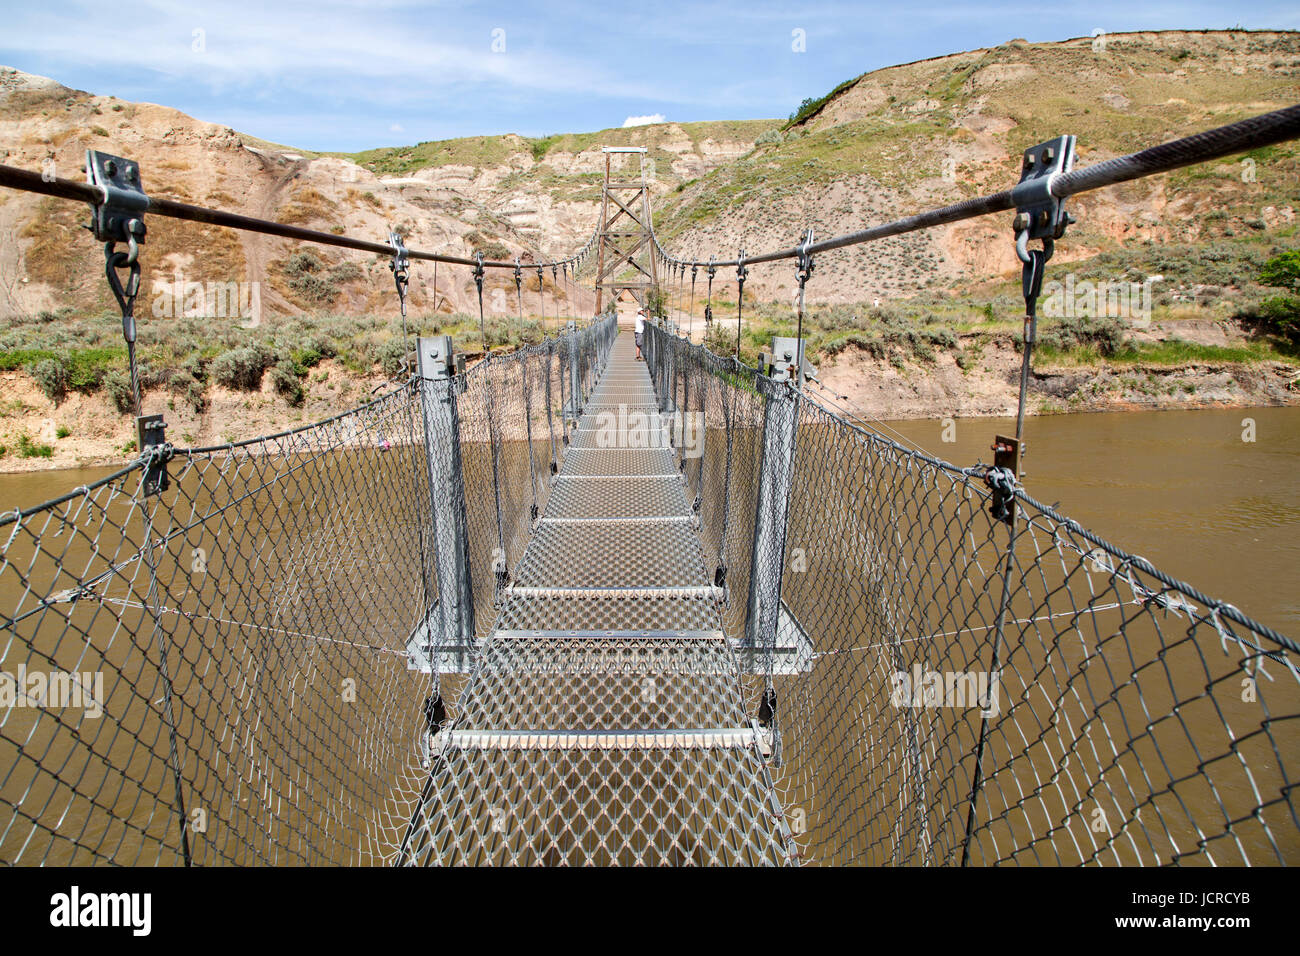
x,y
450,526
772,509
575,373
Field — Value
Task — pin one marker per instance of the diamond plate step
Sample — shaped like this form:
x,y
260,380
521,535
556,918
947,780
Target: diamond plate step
x,y
617,554
618,461
617,498
607,610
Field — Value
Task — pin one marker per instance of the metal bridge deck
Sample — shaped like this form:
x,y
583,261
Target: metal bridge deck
x,y
603,720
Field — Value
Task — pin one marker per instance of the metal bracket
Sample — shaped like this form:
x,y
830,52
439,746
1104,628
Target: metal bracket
x,y
1039,214
439,362
786,356
1003,476
119,215
1006,454
149,430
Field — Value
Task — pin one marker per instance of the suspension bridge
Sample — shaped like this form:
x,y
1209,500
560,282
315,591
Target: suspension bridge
x,y
607,601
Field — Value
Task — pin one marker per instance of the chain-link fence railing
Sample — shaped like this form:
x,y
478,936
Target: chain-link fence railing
x,y
220,672
951,687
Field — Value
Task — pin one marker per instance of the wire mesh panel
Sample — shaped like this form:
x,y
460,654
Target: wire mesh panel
x,y
239,645
1116,715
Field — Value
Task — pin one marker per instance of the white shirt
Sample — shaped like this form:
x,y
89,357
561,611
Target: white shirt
x,y
640,323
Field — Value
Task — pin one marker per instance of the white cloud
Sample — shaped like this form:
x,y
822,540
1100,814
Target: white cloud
x,y
397,128
319,46
643,120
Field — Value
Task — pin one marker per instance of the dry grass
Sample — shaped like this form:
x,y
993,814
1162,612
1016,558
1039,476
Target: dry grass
x,y
58,243
307,205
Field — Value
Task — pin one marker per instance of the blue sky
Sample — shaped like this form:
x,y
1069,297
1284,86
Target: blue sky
x,y
330,75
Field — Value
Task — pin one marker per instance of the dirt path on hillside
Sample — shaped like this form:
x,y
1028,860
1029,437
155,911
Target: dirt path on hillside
x,y
256,246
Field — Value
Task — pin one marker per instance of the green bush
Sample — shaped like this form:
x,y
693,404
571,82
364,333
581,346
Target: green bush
x,y
393,357
88,366
314,288
1277,315
303,262
285,379
118,386
1282,271
487,248
191,389
195,366
241,368
51,375
311,351
1104,333
30,449
346,272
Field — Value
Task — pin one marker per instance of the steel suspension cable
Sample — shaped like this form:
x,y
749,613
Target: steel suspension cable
x,y
15,178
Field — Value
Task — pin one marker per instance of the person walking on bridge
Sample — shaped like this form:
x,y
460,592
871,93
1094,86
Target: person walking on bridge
x,y
638,331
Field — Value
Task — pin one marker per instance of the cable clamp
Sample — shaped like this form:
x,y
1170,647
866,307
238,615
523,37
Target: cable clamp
x,y
119,215
1002,482
1002,476
1039,213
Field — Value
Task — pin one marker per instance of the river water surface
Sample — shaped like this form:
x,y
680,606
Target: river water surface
x,y
1182,489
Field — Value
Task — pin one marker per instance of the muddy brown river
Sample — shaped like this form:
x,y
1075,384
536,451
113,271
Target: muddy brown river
x,y
1182,489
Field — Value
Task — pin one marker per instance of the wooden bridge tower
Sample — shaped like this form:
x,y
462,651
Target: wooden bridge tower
x,y
625,259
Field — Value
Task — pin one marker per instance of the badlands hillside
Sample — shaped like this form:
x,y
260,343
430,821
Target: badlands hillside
x,y
882,144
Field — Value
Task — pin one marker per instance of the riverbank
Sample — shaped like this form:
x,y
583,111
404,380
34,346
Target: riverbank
x,y
86,429
989,384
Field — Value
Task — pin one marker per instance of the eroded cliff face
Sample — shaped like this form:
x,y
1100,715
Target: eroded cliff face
x,y
885,144
888,143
